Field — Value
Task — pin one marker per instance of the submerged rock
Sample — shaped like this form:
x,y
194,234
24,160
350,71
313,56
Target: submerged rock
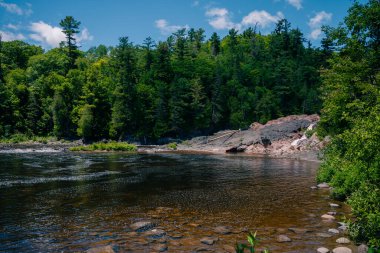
x,y
283,238
222,230
155,233
334,205
105,249
208,240
141,226
160,247
324,235
300,230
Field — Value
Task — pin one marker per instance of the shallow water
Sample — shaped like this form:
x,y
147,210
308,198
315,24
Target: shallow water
x,y
52,202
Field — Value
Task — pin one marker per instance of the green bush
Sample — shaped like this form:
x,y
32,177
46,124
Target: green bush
x,y
172,146
110,146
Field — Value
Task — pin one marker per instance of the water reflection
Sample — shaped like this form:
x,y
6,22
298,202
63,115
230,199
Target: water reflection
x,y
64,202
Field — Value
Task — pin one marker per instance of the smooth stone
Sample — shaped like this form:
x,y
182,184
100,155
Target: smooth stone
x,y
142,226
323,250
342,250
343,228
176,236
222,230
208,240
195,225
229,248
331,213
333,231
323,185
299,230
342,240
280,230
155,233
324,235
328,217
105,249
283,238
203,249
160,247
314,187
334,205
363,248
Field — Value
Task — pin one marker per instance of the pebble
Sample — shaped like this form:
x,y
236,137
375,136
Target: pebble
x,y
176,236
324,235
208,240
328,217
314,187
283,238
334,205
342,250
142,226
222,230
323,185
299,230
331,213
343,228
195,225
155,233
323,250
160,247
342,240
229,248
333,231
105,249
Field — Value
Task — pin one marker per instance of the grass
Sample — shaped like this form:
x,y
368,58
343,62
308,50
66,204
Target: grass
x,y
110,146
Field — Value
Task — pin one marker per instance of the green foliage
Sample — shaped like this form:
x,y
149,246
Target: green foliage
x,y
351,114
253,242
110,146
172,145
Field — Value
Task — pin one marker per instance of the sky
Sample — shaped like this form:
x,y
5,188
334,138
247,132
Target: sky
x,y
104,21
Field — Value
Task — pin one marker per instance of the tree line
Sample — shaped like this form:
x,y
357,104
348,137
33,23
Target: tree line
x,y
177,88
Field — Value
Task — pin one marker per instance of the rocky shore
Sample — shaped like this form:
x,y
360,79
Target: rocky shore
x,y
288,137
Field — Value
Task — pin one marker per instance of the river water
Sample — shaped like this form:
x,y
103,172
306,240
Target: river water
x,y
66,202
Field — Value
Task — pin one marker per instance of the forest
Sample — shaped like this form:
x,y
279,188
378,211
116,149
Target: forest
x,y
178,88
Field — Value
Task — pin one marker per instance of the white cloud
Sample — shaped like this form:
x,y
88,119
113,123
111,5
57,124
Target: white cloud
x,y
52,35
195,3
315,23
166,29
296,3
14,8
9,36
261,18
220,19
12,26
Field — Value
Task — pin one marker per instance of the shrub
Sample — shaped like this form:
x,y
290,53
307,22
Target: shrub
x,y
110,146
172,146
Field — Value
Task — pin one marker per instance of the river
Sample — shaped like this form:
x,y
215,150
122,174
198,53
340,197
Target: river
x,y
65,202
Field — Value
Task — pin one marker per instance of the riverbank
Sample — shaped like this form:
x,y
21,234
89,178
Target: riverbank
x,y
291,137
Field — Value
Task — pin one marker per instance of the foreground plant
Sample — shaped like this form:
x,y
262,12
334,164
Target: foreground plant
x,y
253,241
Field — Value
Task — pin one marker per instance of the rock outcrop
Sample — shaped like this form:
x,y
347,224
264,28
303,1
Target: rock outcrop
x,y
290,136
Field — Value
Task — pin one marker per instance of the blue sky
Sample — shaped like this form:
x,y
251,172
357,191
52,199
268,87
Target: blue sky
x,y
103,22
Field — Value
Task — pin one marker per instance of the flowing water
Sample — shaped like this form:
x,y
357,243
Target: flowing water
x,y
66,202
